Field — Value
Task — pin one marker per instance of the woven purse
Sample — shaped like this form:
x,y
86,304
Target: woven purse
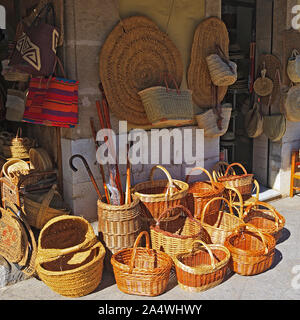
x,y
293,66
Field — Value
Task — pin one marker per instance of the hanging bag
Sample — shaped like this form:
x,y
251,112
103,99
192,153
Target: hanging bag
x,y
35,47
263,86
254,121
274,126
293,67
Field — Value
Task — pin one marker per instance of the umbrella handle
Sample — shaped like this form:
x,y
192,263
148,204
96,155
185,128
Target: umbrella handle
x,y
88,170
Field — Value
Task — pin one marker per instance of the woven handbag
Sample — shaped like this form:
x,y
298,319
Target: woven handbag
x,y
252,252
293,67
254,121
265,218
263,86
274,126
200,192
167,105
177,235
290,103
203,268
219,224
141,271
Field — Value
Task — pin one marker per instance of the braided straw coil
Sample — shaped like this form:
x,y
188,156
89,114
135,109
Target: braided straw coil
x,y
209,33
133,57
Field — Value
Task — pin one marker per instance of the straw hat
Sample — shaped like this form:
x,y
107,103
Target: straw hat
x,y
134,56
209,33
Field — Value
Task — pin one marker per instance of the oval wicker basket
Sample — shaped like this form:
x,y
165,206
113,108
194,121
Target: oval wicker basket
x,y
199,270
156,196
200,192
141,271
292,68
265,218
252,252
39,209
70,258
177,236
219,224
263,86
119,226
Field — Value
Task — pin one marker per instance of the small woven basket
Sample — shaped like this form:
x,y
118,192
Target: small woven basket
x,y
293,67
39,209
252,252
141,271
202,269
263,86
119,226
157,196
40,159
242,182
177,236
200,192
219,224
70,258
265,218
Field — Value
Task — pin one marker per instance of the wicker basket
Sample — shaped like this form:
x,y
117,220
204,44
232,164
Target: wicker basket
x,y
252,252
70,258
292,68
39,159
200,192
265,218
219,224
177,236
263,86
141,271
39,209
202,269
157,196
242,182
119,226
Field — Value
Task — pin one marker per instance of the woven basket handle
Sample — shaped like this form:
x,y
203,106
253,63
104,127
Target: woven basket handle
x,y
183,208
254,230
294,54
205,171
137,241
235,164
171,185
212,260
265,205
19,133
165,77
224,58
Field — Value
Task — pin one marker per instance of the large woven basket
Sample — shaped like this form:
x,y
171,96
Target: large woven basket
x,y
200,192
242,182
119,226
70,258
293,66
202,269
40,159
141,271
252,252
156,196
177,236
219,224
265,218
39,209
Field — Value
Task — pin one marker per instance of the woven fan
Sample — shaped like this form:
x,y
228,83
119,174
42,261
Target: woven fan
x,y
209,33
134,56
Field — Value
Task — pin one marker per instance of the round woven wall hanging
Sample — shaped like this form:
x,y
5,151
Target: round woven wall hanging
x,y
209,33
134,56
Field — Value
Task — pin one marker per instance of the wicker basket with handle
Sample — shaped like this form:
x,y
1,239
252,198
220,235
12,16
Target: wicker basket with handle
x,y
200,192
203,268
252,251
141,271
265,218
177,236
219,224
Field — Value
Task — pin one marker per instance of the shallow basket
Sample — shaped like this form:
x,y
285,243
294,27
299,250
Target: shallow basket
x,y
252,252
157,196
202,269
70,258
176,236
219,224
242,182
200,192
119,226
141,271
265,218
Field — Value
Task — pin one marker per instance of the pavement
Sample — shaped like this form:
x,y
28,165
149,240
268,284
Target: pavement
x,y
280,282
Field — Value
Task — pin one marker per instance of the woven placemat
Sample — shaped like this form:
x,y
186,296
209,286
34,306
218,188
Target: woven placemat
x,y
134,56
209,33
272,63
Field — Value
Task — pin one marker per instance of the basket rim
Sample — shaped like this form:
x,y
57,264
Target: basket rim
x,y
112,207
205,225
209,269
211,192
235,177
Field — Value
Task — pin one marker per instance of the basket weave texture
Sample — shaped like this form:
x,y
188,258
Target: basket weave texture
x,y
203,268
141,271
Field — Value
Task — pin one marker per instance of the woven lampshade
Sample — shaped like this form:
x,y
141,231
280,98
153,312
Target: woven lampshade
x,y
134,56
